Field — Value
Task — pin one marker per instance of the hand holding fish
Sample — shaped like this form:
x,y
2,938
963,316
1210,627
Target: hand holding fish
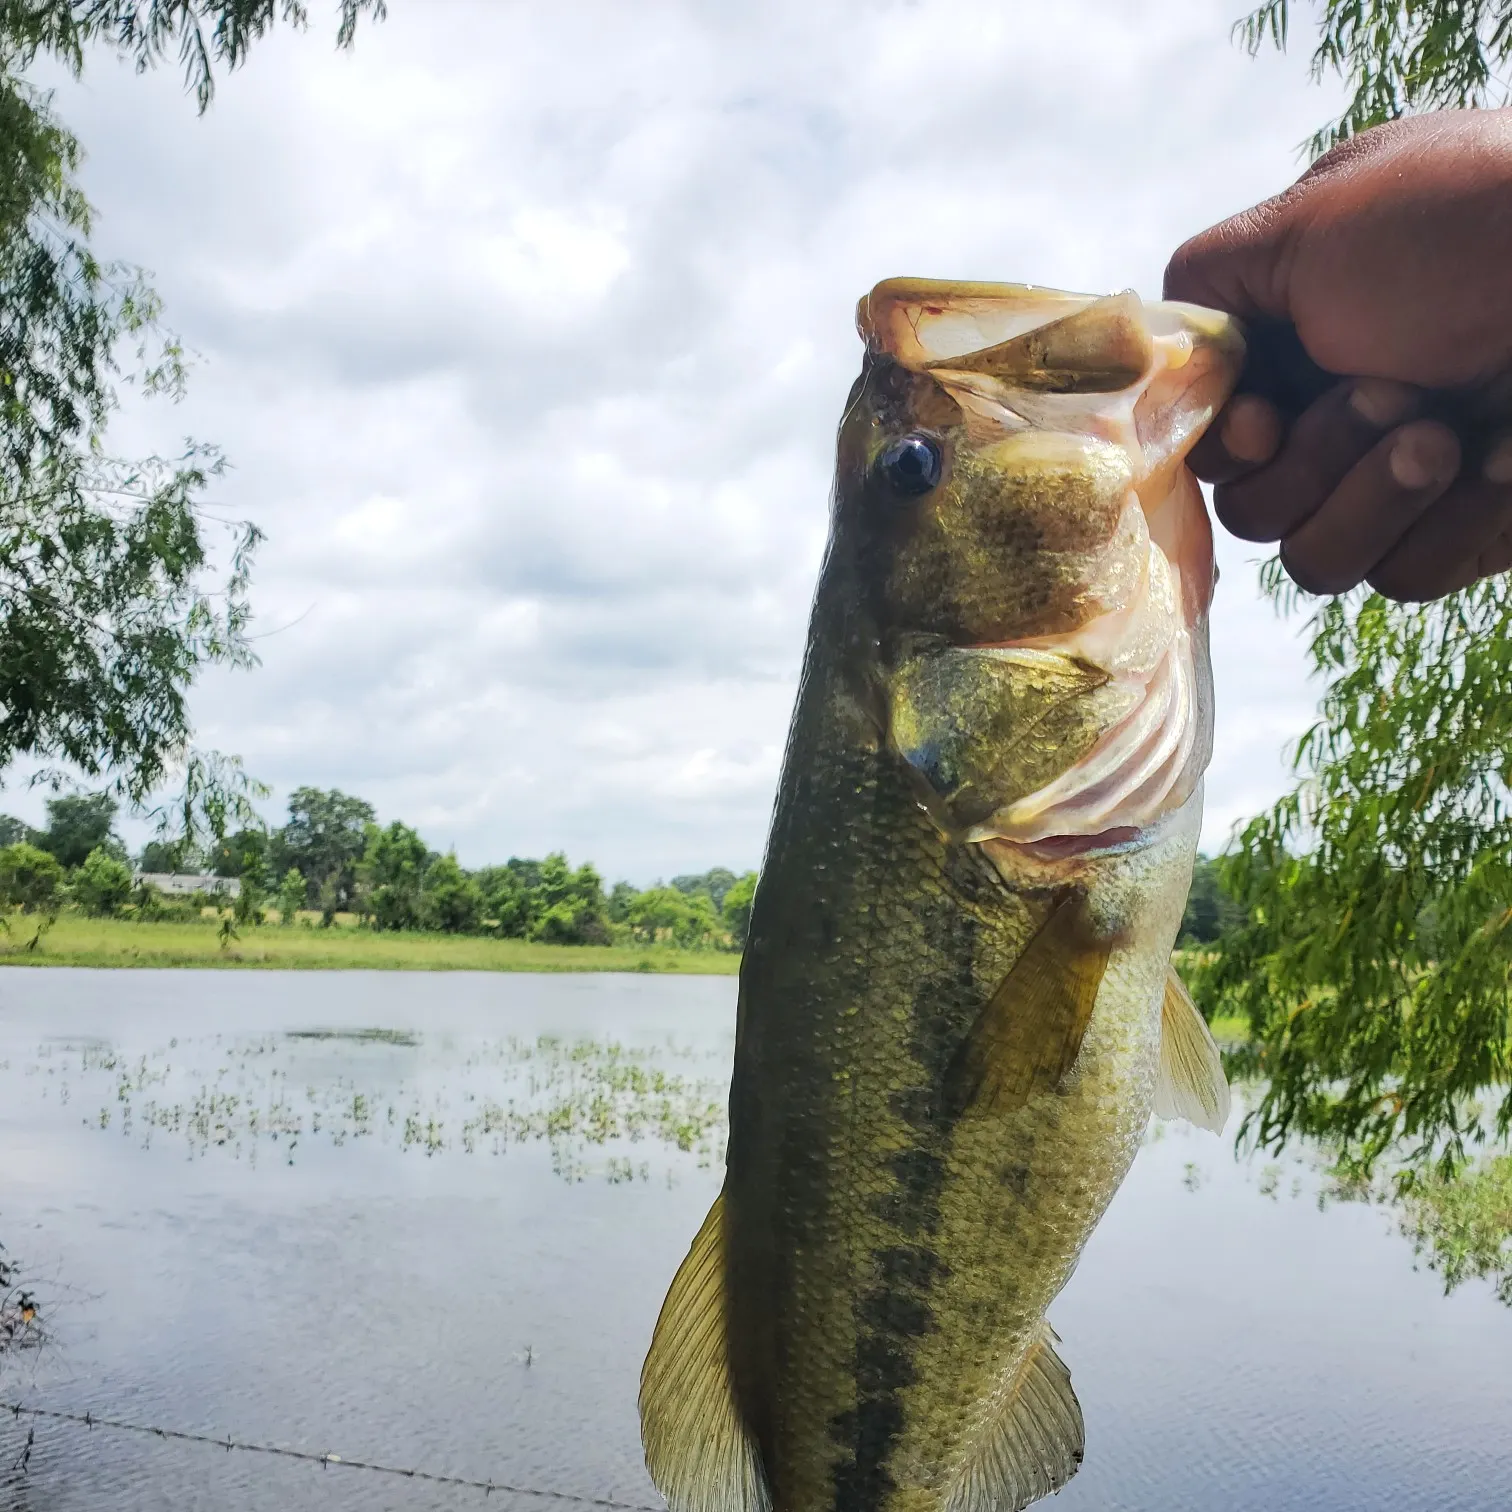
x,y
1390,459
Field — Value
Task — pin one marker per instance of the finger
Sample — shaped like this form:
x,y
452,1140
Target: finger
x,y
1325,442
1240,264
1248,434
1496,558
1466,536
1374,506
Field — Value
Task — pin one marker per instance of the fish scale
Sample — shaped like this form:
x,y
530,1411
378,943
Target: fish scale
x,y
951,1032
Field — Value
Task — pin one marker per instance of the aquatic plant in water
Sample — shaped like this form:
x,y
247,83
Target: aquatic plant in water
x,y
281,1092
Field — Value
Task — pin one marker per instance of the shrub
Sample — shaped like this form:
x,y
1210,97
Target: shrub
x,y
684,919
291,895
572,922
737,909
449,898
102,885
30,877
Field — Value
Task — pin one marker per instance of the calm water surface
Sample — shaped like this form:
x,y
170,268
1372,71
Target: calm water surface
x,y
428,1220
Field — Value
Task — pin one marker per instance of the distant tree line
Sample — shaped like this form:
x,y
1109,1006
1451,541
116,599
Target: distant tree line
x,y
333,857
1211,911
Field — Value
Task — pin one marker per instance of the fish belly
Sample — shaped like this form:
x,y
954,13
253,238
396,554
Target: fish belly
x,y
906,1336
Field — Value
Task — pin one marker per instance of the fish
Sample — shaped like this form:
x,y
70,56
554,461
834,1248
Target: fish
x,y
956,1011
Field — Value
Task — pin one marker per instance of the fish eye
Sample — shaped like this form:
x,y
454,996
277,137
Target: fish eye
x,y
912,464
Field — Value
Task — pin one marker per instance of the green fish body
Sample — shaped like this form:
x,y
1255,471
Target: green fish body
x,y
956,1008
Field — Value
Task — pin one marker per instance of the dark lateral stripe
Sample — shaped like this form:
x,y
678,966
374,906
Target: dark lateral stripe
x,y
892,1316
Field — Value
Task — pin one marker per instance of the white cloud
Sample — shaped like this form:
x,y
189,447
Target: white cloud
x,y
527,328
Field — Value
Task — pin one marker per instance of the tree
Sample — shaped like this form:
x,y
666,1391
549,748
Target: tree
x,y
169,856
246,850
712,884
30,879
571,923
247,907
13,829
325,839
102,885
79,823
105,615
1373,959
1397,56
291,895
449,899
145,30
737,909
391,875
567,907
545,900
109,599
1210,911
506,900
621,896
668,915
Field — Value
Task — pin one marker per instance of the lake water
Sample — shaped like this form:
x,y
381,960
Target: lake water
x,y
428,1220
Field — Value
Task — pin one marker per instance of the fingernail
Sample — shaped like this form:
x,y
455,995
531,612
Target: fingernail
x,y
1497,468
1251,430
1422,455
1381,402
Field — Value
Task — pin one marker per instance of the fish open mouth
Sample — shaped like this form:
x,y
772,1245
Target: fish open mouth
x,y
1147,379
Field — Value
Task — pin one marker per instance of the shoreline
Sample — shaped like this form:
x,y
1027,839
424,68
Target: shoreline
x,y
127,944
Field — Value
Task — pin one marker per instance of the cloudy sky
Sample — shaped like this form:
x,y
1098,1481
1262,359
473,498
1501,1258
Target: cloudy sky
x,y
527,327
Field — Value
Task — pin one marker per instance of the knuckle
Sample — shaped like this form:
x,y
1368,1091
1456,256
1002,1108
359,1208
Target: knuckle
x,y
1394,579
1311,578
1242,513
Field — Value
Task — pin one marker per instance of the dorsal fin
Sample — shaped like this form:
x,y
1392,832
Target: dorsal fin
x,y
1191,1083
1031,1446
698,1449
1029,1033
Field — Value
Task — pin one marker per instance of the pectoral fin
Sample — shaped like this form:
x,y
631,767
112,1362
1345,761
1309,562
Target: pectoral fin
x,y
698,1449
1191,1083
1030,1032
1031,1446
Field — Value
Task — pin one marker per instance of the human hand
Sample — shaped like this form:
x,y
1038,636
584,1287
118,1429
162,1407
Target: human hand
x,y
1382,449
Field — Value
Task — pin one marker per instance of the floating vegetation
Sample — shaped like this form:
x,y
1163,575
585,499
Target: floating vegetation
x,y
358,1036
590,1101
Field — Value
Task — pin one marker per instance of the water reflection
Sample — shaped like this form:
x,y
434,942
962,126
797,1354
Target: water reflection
x,y
1461,1229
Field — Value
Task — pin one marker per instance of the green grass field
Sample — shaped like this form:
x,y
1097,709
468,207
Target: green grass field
x,y
1230,1031
78,941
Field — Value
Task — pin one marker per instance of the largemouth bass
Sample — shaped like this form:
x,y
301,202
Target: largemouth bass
x,y
956,1007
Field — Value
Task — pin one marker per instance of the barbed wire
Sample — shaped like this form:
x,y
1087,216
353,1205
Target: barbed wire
x,y
92,1420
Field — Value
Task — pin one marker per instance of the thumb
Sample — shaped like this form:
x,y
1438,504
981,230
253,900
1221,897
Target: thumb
x,y
1240,265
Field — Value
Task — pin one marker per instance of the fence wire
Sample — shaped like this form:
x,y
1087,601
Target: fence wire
x,y
92,1420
